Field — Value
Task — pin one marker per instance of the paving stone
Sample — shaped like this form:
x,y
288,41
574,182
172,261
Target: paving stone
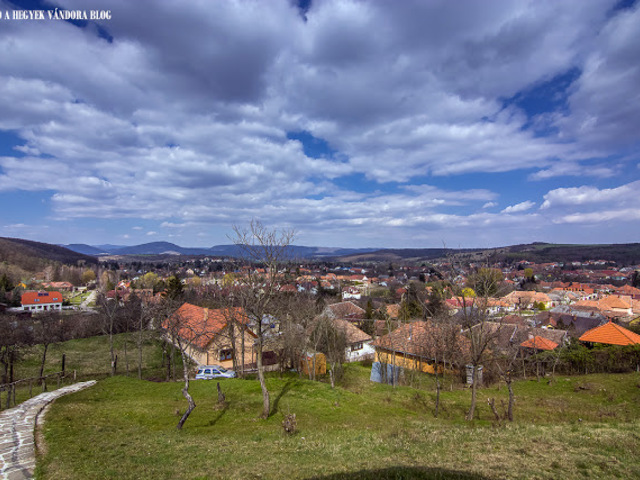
x,y
17,428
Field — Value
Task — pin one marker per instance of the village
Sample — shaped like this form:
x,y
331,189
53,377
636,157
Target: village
x,y
389,315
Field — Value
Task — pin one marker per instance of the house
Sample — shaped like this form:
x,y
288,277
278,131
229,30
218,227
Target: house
x,y
60,286
212,336
358,342
537,343
527,299
611,334
419,346
41,301
345,310
504,337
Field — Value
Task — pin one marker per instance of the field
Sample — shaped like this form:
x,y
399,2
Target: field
x,y
90,359
575,427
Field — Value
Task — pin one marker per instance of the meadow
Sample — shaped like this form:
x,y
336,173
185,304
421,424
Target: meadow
x,y
572,427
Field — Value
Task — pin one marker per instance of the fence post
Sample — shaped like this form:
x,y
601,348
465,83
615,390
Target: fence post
x,y
44,384
64,361
14,394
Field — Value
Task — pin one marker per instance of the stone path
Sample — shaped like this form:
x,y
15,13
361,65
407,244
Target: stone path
x,y
17,430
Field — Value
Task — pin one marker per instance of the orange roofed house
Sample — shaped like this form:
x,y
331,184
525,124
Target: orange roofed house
x,y
211,334
41,301
420,346
611,334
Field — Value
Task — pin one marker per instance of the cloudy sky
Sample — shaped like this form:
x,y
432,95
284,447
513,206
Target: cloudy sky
x,y
357,123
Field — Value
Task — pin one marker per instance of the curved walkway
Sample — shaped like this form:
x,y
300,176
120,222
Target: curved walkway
x,y
17,430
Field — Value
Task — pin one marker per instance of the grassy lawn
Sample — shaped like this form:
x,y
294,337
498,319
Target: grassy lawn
x,y
576,427
78,298
90,358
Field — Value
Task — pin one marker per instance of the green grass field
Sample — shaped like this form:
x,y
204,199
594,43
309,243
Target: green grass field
x,y
90,359
576,427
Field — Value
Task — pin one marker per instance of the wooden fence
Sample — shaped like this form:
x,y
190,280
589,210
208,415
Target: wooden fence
x,y
8,390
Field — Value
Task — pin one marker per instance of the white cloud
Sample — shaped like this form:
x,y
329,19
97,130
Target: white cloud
x,y
191,129
519,207
584,195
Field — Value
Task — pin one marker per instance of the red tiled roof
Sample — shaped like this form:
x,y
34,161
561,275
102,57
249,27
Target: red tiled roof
x,y
612,334
539,343
346,309
39,298
423,339
201,325
352,333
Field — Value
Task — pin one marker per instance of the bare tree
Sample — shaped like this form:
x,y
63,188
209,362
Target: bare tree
x,y
331,341
14,335
110,313
183,335
445,345
48,329
265,251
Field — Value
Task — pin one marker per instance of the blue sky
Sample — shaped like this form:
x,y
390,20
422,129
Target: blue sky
x,y
356,123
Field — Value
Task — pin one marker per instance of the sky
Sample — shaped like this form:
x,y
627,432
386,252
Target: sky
x,y
401,124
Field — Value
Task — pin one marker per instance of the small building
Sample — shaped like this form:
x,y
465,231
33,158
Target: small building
x,y
420,346
212,336
611,334
358,342
41,301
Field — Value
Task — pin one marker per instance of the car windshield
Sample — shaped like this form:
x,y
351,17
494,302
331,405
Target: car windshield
x,y
222,369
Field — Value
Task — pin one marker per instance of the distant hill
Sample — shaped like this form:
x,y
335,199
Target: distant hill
x,y
85,249
34,256
625,254
158,248
403,254
167,248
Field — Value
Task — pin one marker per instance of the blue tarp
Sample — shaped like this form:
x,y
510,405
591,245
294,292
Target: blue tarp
x,y
385,373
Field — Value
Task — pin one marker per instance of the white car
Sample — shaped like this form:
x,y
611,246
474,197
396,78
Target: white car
x,y
207,372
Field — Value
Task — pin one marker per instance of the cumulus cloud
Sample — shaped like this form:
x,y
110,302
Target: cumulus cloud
x,y
519,207
191,129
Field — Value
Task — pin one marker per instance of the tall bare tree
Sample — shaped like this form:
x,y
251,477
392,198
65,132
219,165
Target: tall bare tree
x,y
266,251
111,311
183,334
48,329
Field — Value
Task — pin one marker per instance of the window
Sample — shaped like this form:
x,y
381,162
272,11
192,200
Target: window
x,y
356,346
226,354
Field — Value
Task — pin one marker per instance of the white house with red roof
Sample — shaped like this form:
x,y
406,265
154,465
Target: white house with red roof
x,y
41,301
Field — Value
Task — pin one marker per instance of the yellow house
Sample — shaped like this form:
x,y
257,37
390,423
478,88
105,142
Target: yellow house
x,y
421,346
212,336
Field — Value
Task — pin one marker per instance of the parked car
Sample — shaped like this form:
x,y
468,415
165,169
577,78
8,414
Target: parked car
x,y
207,372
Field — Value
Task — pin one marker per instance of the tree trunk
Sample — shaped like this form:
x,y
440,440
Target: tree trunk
x,y
172,354
242,351
511,400
185,392
126,358
266,407
438,387
474,384
44,359
112,353
140,357
332,377
232,339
